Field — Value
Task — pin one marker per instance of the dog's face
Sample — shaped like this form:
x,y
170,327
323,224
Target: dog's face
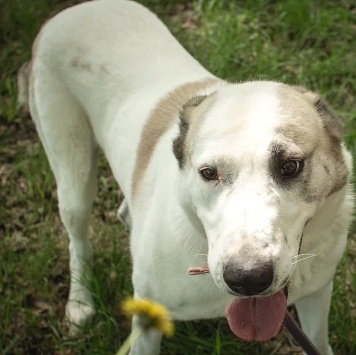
x,y
258,159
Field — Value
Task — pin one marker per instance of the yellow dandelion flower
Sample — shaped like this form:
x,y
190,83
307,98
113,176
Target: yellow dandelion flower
x,y
152,314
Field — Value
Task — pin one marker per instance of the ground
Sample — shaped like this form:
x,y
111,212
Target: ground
x,y
310,43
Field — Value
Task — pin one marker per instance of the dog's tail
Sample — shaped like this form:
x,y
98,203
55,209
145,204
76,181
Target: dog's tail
x,y
23,77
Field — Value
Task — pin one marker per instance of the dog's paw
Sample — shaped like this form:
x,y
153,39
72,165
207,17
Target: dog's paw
x,y
77,314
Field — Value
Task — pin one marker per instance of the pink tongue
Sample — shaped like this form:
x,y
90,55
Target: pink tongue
x,y
257,318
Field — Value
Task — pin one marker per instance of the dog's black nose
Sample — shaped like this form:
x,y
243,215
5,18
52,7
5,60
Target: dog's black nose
x,y
249,282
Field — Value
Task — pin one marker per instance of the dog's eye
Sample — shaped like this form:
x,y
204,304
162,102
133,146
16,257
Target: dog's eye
x,y
291,168
208,173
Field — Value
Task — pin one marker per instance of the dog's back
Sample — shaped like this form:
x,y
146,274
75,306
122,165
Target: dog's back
x,y
100,54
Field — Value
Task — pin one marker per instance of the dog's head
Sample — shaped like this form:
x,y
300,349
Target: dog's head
x,y
258,159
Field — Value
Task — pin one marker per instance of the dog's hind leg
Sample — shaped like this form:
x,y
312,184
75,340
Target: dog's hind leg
x,y
68,140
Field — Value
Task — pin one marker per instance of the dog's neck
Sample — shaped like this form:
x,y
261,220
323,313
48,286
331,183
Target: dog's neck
x,y
325,221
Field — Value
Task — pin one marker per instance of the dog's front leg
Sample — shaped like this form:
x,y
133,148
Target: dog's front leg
x,y
149,343
313,312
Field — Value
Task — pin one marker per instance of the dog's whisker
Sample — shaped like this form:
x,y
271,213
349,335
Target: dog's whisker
x,y
305,258
299,255
212,287
201,255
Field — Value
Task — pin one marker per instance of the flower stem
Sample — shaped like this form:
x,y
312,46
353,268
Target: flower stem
x,y
126,346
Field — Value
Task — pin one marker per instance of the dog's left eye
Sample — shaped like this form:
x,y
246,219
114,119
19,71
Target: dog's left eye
x,y
208,173
291,168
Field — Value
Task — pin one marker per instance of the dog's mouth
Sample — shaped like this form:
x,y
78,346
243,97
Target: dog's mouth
x,y
257,318
254,318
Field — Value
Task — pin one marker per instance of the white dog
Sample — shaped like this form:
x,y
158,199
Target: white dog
x,y
247,179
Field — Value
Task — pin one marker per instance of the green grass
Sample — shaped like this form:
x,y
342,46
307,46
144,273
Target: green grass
x,y
304,42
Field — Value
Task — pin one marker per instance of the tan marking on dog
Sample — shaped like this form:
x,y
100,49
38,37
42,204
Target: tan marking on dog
x,y
309,123
300,122
160,120
331,121
78,62
191,116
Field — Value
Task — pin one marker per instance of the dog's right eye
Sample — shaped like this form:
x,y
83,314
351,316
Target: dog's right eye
x,y
208,173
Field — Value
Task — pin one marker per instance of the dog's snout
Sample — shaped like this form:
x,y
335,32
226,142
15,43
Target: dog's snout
x,y
248,282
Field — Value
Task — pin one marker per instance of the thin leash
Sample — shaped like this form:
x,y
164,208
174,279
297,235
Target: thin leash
x,y
289,323
299,336
293,327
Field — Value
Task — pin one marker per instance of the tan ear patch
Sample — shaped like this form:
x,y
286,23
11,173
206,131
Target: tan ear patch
x,y
312,125
331,121
184,115
158,123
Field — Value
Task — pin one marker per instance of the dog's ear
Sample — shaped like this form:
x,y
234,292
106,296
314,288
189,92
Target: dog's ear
x,y
184,119
331,121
